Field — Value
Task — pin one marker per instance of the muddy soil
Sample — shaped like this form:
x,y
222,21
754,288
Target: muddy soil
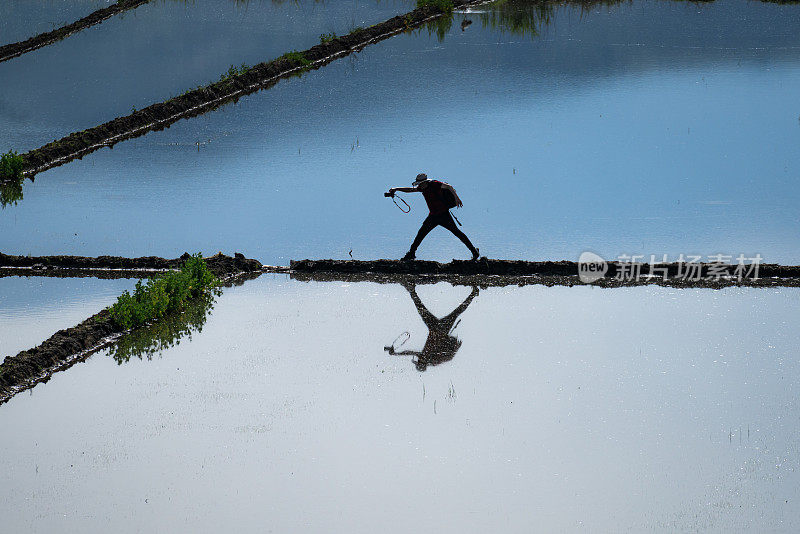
x,y
67,347
13,50
102,274
61,349
163,114
117,266
486,272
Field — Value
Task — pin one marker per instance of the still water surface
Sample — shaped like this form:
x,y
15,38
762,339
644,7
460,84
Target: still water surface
x,y
157,51
642,128
561,409
25,18
32,309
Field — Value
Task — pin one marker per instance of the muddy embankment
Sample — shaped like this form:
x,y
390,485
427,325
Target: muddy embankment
x,y
13,50
264,75
67,347
116,266
486,272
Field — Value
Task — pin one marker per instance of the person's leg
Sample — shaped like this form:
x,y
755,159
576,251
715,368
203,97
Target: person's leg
x,y
427,317
448,222
428,224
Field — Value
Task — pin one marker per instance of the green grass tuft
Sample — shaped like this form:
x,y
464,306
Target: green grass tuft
x,y
164,294
11,165
327,37
297,57
445,6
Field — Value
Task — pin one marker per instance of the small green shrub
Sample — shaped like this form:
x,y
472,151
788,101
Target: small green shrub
x,y
152,339
445,6
11,165
297,57
164,294
327,37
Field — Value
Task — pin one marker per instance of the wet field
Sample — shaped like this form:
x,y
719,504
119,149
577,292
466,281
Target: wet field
x,y
561,409
623,130
23,19
157,51
647,127
32,309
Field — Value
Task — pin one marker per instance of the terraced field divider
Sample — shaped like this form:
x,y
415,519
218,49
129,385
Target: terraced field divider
x,y
72,345
200,100
13,50
67,347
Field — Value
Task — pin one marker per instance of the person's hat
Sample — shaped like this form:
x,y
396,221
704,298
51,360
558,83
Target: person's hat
x,y
421,177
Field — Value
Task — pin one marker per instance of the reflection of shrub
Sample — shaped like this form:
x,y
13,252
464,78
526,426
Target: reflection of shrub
x,y
11,165
440,26
442,5
10,193
522,17
164,333
165,294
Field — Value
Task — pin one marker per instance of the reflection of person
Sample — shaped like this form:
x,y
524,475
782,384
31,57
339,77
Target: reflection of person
x,y
441,345
433,191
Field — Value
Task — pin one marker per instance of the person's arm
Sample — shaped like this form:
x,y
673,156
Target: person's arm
x,y
393,352
393,190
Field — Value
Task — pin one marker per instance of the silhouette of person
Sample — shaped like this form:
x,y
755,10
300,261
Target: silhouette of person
x,y
441,345
434,191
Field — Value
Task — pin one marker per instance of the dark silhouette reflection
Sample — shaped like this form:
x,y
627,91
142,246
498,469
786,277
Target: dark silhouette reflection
x,y
167,332
441,345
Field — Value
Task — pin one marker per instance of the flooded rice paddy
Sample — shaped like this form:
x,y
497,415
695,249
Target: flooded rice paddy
x,y
630,129
23,19
32,309
155,52
556,409
639,128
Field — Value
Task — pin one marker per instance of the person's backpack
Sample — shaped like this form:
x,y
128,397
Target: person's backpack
x,y
446,192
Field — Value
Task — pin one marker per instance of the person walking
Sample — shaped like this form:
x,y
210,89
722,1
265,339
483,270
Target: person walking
x,y
440,197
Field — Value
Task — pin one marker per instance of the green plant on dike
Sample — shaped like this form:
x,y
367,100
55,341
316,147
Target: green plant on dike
x,y
327,37
297,57
11,165
233,70
152,339
164,294
445,6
